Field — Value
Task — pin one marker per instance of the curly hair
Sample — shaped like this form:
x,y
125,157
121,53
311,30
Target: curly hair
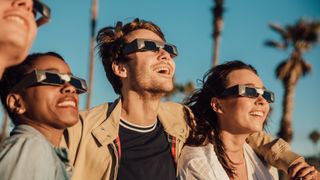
x,y
15,74
205,126
110,41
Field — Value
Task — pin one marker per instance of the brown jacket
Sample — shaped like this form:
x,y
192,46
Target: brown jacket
x,y
93,153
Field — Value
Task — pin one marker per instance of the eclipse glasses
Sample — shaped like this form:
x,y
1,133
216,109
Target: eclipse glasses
x,y
43,77
149,45
41,12
248,91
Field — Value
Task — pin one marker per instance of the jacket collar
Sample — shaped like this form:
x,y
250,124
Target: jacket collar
x,y
171,116
108,130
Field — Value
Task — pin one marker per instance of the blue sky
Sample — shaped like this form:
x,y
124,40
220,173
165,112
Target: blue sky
x,y
188,25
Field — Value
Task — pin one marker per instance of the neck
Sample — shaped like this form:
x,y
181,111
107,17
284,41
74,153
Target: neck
x,y
234,146
53,135
140,109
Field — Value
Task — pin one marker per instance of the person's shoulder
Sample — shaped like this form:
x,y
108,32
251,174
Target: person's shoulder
x,y
195,160
26,142
170,104
96,111
24,148
174,108
26,157
24,135
192,155
192,152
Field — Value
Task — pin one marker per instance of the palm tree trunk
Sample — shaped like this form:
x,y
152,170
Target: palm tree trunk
x,y
216,50
94,12
286,131
218,24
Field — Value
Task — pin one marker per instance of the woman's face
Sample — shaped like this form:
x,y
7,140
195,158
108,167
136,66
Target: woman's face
x,y
51,106
18,30
243,115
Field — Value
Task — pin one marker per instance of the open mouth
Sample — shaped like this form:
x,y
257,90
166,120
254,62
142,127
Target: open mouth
x,y
163,70
68,102
257,113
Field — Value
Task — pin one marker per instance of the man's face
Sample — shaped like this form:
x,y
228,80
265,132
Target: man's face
x,y
17,31
148,71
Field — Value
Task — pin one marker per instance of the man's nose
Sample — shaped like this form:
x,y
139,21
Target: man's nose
x,y
164,55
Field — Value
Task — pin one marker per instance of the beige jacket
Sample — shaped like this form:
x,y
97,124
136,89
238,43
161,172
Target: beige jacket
x,y
91,141
94,156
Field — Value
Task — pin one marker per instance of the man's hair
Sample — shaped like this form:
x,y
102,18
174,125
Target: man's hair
x,y
110,42
14,74
205,127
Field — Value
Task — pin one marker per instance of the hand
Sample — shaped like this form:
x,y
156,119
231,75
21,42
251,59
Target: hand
x,y
300,169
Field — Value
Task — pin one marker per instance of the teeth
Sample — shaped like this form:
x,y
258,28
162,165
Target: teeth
x,y
67,103
256,113
16,19
162,70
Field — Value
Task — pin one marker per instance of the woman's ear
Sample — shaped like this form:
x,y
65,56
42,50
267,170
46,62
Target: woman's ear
x,y
215,104
16,104
119,69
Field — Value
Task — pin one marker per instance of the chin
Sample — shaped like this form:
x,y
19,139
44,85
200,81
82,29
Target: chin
x,y
257,128
16,54
69,119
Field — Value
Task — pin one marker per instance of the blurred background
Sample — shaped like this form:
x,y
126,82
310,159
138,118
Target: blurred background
x,y
245,34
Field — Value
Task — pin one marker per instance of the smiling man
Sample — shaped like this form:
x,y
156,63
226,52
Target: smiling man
x,y
138,136
18,27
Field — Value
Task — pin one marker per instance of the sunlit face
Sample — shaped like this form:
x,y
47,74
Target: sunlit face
x,y
17,31
243,115
149,71
52,106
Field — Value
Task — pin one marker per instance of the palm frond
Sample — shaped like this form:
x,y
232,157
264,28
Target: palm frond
x,y
275,44
306,67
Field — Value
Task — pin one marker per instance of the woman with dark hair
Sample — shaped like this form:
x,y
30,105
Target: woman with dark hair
x,y
41,98
232,104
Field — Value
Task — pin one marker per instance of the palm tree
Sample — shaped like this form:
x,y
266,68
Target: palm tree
x,y
94,13
300,37
217,28
314,136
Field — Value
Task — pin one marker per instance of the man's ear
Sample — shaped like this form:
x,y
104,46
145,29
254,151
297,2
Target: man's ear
x,y
119,69
16,104
215,104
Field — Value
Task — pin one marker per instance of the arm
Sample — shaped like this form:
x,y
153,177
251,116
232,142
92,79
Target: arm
x,y
275,151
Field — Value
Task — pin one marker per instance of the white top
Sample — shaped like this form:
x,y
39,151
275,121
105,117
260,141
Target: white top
x,y
202,163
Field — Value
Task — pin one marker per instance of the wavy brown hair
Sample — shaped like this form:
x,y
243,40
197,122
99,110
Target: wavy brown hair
x,y
110,41
205,126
